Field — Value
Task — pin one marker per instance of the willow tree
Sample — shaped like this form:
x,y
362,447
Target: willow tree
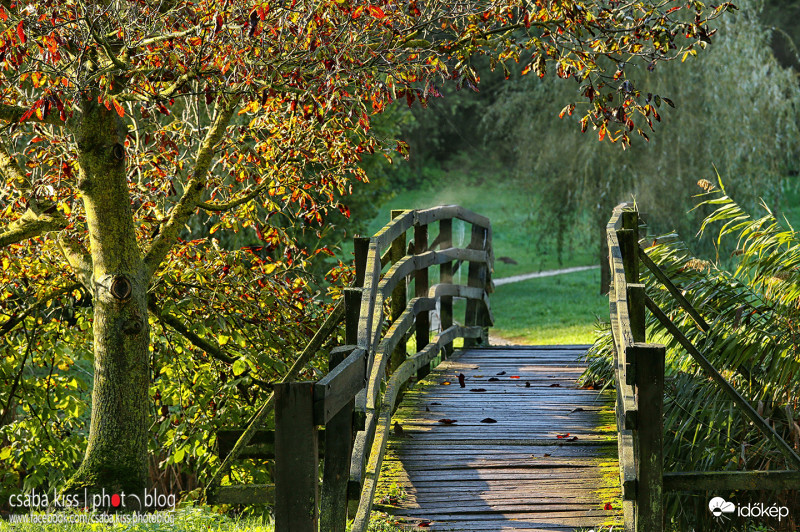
x,y
125,121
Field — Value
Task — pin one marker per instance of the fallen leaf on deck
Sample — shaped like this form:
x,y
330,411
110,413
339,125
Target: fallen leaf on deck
x,y
434,404
527,384
608,506
488,420
477,376
560,436
446,383
546,455
555,385
447,421
502,373
478,390
493,379
462,380
424,524
579,409
427,409
514,377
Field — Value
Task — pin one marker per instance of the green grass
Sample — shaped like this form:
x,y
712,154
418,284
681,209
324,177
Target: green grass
x,y
190,519
514,232
561,309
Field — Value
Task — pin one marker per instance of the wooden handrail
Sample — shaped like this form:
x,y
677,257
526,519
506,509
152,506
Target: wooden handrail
x,y
639,379
352,390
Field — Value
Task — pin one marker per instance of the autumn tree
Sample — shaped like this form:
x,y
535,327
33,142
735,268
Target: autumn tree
x,y
128,122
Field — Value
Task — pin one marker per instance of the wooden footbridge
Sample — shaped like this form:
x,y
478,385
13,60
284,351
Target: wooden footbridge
x,y
478,438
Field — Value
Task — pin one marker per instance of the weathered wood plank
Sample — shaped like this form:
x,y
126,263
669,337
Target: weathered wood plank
x,y
512,474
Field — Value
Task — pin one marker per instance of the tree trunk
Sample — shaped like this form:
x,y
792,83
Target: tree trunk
x,y
116,455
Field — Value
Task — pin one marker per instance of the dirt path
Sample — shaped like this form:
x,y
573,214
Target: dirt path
x,y
546,273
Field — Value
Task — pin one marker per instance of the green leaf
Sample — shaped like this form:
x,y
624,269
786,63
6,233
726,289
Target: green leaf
x,y
178,456
239,367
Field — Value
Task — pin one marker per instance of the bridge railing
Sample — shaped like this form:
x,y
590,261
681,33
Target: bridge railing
x,y
355,401
639,376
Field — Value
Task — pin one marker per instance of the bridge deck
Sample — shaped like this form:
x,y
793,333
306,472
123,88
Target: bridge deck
x,y
548,462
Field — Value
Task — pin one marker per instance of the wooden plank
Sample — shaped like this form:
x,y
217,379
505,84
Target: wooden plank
x,y
338,443
446,277
422,333
399,283
495,476
650,462
673,290
296,458
476,278
339,386
729,390
447,213
731,480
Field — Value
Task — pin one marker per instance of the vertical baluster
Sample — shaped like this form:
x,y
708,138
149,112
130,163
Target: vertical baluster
x,y
446,277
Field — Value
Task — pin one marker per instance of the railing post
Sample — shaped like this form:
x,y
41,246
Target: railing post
x,y
650,468
360,250
477,278
399,294
629,245
446,277
338,448
421,282
296,458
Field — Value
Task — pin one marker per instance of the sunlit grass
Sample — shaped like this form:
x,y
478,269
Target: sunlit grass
x,y
561,309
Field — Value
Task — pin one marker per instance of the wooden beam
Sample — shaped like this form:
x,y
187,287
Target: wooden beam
x,y
296,458
740,401
731,480
339,386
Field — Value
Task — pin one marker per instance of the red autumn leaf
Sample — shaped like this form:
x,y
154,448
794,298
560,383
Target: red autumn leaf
x,y
21,32
514,377
376,12
424,524
462,380
560,436
608,506
478,390
3,14
447,421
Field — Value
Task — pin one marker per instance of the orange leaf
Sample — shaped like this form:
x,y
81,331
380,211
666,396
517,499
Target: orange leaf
x,y
3,14
118,107
376,12
21,32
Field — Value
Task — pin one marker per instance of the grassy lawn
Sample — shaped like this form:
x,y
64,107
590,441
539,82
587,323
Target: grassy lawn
x,y
512,225
561,309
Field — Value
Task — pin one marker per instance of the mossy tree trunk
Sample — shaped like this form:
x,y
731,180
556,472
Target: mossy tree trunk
x,y
116,456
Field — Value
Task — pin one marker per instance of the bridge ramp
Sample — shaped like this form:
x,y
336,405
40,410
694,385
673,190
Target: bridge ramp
x,y
520,447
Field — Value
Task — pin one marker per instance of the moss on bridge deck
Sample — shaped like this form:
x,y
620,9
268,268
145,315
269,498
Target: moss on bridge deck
x,y
527,449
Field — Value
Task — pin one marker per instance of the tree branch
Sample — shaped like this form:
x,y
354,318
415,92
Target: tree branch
x,y
13,113
17,318
167,319
193,192
29,226
79,260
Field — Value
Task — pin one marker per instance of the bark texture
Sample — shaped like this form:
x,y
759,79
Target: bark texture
x,y
116,455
